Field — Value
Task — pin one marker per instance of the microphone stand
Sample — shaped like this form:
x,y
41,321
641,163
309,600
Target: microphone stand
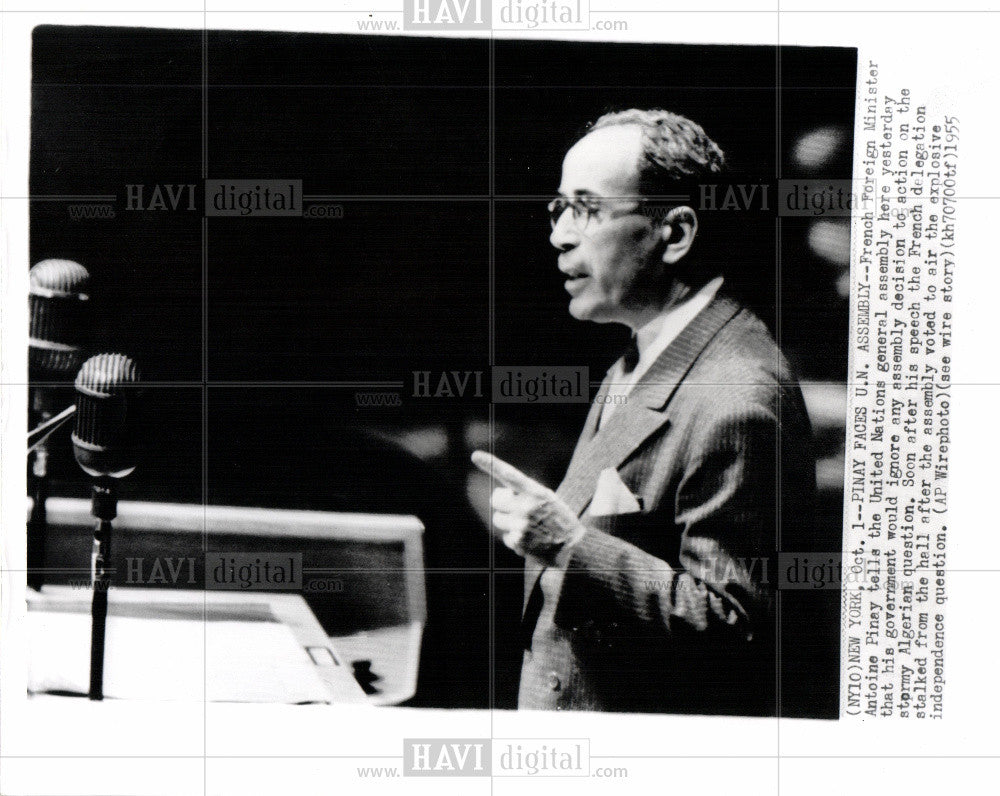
x,y
101,444
38,452
38,522
104,508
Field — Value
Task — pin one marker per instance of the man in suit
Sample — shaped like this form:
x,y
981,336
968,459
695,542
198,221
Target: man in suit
x,y
649,575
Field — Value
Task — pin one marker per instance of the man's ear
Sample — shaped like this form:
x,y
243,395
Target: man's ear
x,y
679,228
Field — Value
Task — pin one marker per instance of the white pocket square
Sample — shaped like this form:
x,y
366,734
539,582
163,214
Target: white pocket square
x,y
611,496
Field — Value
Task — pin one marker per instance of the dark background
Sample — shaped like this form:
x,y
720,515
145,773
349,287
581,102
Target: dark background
x,y
250,331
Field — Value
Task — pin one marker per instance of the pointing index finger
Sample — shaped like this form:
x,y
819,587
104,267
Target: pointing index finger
x,y
507,474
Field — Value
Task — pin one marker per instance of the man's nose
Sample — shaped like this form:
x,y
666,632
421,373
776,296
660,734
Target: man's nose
x,y
565,234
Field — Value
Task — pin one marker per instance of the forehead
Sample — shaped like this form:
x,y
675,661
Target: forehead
x,y
604,162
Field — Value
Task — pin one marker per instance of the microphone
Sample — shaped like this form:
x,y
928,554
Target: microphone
x,y
104,445
104,437
57,302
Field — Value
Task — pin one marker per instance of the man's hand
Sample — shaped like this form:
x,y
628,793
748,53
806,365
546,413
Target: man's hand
x,y
530,518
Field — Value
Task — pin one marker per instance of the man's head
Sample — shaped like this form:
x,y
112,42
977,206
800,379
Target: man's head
x,y
620,235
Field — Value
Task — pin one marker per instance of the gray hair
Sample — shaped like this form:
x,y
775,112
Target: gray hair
x,y
674,149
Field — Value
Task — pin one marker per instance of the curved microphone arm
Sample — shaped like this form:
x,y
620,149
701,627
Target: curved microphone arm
x,y
43,431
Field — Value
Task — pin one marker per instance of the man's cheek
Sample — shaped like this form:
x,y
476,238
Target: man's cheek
x,y
605,288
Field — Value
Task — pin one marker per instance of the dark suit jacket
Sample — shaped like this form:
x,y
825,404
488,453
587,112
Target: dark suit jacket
x,y
671,608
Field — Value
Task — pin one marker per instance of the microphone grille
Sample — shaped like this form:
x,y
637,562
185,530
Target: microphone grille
x,y
56,297
105,375
58,276
103,439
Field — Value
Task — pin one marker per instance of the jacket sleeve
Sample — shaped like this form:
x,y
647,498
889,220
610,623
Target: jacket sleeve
x,y
724,507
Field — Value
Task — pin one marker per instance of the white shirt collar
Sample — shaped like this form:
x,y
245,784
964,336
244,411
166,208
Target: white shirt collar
x,y
653,338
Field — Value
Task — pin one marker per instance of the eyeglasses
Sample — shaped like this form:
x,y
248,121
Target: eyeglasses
x,y
584,208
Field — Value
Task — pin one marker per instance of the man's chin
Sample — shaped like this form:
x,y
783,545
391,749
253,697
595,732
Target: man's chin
x,y
579,310
587,311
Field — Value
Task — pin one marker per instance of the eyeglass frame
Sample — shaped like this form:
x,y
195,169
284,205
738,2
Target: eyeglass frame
x,y
579,207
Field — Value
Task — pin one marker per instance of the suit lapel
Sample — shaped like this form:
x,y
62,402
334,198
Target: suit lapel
x,y
532,567
633,422
593,417
644,413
